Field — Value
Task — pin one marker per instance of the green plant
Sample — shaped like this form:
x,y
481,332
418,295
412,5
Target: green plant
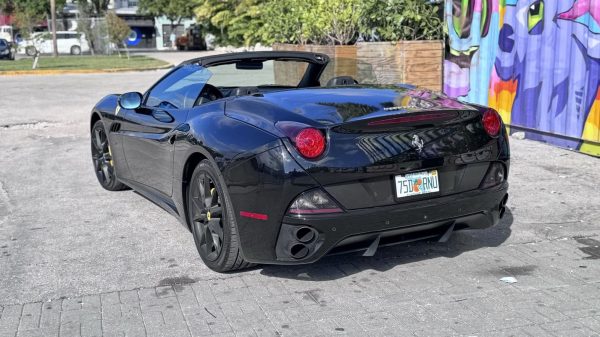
x,y
28,13
173,10
118,31
393,20
246,22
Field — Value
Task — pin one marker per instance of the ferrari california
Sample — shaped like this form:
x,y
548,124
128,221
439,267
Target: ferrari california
x,y
278,158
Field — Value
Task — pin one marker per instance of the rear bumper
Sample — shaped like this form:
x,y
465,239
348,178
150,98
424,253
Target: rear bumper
x,y
358,229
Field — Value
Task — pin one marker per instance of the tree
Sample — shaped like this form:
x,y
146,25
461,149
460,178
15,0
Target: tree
x,y
118,31
29,13
53,15
99,6
235,22
393,20
173,10
90,22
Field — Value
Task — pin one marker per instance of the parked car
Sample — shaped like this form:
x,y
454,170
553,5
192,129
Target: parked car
x,y
268,157
68,42
6,50
193,39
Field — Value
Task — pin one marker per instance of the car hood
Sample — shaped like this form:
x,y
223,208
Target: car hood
x,y
348,104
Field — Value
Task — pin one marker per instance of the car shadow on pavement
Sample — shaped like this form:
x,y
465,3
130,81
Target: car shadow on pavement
x,y
344,265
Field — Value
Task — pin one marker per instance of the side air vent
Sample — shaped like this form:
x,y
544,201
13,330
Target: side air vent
x,y
115,127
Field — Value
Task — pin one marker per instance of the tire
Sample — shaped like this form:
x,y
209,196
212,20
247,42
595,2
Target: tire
x,y
30,51
102,159
75,50
213,224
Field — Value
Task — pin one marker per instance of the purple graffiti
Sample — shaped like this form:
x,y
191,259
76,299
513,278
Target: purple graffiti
x,y
551,49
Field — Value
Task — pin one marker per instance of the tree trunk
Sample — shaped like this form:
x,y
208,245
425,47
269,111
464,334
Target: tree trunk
x,y
35,60
53,14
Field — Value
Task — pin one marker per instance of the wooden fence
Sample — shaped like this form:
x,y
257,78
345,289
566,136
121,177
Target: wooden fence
x,y
412,62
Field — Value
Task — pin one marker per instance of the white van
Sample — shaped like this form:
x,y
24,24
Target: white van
x,y
6,33
68,42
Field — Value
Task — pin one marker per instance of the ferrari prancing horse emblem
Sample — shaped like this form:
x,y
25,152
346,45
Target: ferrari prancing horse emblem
x,y
417,143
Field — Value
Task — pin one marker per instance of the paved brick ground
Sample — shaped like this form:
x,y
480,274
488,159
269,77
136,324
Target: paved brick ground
x,y
416,290
79,261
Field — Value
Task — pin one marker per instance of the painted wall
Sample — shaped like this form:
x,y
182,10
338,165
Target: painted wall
x,y
535,61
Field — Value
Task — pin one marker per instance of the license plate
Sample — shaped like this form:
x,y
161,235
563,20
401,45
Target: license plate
x,y
417,183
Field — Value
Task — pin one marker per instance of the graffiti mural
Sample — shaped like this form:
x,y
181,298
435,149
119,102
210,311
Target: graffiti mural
x,y
535,61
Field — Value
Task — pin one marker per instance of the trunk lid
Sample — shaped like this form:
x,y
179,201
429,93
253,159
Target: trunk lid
x,y
351,105
375,134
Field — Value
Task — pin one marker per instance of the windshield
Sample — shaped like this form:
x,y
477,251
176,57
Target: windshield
x,y
266,73
339,71
180,88
191,84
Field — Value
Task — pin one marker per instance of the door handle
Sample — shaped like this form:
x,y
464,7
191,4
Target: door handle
x,y
180,130
162,116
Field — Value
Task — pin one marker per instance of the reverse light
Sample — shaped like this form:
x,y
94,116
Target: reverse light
x,y
491,122
495,175
313,202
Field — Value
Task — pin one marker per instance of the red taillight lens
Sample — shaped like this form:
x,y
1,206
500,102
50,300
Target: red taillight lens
x,y
310,143
491,122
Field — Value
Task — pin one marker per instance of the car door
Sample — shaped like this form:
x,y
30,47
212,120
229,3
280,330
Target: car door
x,y
148,132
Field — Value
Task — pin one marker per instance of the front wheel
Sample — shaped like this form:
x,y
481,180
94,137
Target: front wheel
x,y
102,158
210,213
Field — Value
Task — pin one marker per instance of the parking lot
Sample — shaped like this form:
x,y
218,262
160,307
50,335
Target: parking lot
x,y
76,260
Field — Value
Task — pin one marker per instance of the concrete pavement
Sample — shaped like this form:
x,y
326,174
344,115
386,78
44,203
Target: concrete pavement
x,y
76,260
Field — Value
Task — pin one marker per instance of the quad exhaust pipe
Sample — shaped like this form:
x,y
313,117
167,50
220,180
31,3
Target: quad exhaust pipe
x,y
502,206
304,236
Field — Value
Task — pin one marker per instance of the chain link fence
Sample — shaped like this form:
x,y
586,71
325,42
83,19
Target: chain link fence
x,y
95,31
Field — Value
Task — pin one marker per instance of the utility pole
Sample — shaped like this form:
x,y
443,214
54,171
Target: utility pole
x,y
53,15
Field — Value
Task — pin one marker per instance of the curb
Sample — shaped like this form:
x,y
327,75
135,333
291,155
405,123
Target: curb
x,y
78,71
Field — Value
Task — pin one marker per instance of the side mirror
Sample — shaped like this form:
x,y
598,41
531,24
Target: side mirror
x,y
130,100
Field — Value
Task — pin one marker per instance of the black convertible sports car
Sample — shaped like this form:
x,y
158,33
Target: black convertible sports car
x,y
267,158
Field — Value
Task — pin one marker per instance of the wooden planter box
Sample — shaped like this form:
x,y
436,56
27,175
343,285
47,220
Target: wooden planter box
x,y
412,62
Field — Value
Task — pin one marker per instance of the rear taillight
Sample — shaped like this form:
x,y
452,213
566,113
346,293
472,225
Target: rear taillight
x,y
313,202
491,122
309,141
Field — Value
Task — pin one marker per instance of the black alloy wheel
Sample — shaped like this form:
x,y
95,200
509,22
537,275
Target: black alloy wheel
x,y
213,227
207,216
102,158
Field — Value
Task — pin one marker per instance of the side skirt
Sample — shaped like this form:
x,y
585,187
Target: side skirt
x,y
156,197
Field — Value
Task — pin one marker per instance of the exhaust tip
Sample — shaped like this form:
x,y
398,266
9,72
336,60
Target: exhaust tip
x,y
299,251
502,206
305,234
504,200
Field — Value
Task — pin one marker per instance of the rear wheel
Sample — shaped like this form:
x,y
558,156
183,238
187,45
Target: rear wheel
x,y
75,50
102,158
213,224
